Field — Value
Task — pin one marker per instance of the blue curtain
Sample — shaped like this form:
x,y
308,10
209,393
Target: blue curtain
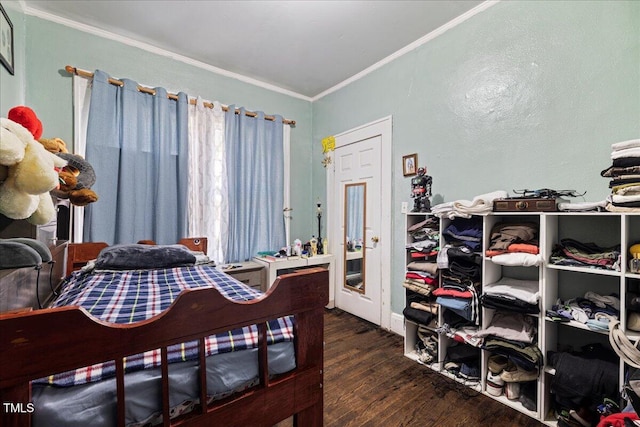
x,y
255,168
137,144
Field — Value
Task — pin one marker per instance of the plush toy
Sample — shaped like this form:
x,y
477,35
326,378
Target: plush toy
x,y
53,145
27,171
76,178
27,118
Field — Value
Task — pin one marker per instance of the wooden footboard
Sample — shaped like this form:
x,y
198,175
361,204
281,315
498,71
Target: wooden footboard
x,y
43,342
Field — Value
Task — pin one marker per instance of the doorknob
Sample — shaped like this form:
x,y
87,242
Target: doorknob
x,y
375,239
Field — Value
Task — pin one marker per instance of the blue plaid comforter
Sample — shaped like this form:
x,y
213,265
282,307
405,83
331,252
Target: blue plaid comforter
x,y
134,295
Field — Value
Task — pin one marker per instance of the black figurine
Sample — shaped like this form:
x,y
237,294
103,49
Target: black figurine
x,y
421,191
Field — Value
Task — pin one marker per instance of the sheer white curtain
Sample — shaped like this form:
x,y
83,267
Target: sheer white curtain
x,y
81,101
208,212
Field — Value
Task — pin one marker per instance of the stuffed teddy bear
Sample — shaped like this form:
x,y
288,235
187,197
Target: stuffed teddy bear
x,y
53,145
76,181
27,171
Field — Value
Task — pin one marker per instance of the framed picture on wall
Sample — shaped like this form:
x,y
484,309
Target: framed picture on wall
x,y
6,41
409,164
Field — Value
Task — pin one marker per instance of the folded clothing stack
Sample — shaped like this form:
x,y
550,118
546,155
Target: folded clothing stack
x,y
571,252
424,239
625,177
479,205
514,244
512,294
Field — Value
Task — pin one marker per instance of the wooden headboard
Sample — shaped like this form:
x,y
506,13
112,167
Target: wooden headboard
x,y
79,254
195,243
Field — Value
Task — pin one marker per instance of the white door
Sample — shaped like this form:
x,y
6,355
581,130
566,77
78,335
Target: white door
x,y
357,214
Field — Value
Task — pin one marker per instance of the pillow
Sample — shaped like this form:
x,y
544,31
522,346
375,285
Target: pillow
x,y
137,257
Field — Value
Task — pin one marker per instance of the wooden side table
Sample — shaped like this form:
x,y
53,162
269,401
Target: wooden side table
x,y
250,273
275,268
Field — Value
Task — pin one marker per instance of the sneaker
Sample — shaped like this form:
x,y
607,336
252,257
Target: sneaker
x,y
431,344
452,367
495,385
497,363
512,391
425,357
517,374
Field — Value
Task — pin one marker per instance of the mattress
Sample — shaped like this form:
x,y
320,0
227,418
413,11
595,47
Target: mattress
x,y
94,404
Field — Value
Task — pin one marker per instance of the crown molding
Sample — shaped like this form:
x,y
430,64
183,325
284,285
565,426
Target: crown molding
x,y
410,47
190,61
158,51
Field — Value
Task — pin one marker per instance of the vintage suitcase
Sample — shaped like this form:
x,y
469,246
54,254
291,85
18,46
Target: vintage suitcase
x,y
527,204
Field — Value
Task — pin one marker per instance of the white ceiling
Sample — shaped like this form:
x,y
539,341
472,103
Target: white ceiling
x,y
303,47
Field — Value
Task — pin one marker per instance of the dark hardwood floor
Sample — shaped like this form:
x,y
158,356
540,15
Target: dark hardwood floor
x,y
368,382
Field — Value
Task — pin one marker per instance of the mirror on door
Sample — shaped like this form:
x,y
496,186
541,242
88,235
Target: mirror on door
x,y
355,196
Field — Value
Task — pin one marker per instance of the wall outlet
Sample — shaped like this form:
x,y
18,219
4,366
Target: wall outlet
x,y
404,207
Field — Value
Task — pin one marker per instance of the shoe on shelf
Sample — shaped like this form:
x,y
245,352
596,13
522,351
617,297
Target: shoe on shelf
x,y
512,391
452,367
495,385
516,374
497,363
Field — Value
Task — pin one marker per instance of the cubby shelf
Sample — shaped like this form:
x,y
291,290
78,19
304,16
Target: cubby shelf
x,y
555,282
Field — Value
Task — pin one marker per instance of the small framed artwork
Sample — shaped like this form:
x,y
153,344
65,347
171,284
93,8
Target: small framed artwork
x,y
409,164
6,41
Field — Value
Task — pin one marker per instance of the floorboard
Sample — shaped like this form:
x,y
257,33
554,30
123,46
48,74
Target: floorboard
x,y
368,382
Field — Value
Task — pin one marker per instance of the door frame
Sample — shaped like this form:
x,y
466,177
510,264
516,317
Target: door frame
x,y
384,128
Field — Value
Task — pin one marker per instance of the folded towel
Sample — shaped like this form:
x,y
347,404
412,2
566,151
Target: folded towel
x,y
517,259
627,152
582,206
632,143
479,205
624,199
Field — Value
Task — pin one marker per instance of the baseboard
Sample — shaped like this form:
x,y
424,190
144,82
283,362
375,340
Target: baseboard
x,y
397,324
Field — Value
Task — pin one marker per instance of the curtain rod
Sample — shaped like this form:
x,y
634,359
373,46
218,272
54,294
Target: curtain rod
x,y
89,75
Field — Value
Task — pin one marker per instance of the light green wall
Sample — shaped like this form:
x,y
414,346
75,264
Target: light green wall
x,y
51,47
527,94
12,86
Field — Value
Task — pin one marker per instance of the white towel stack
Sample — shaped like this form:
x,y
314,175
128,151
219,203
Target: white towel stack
x,y
479,205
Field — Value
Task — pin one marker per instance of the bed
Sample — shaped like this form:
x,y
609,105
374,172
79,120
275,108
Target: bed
x,y
35,345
